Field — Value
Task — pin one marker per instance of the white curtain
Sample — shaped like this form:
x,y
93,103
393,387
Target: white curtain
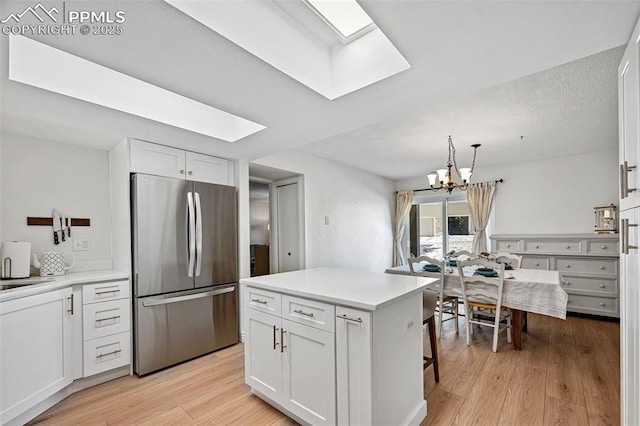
x,y
480,201
403,206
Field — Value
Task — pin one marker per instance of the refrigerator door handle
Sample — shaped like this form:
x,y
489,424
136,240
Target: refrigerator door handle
x,y
191,238
198,235
167,301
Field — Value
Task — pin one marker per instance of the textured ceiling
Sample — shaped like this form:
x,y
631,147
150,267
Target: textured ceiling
x,y
457,50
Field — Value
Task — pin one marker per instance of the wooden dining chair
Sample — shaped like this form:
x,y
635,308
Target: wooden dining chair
x,y
463,255
512,259
446,304
428,315
482,297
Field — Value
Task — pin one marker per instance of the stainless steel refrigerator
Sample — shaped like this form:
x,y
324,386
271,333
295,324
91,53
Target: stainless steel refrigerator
x,y
184,270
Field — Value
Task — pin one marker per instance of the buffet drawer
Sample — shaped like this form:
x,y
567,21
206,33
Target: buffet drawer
x,y
607,286
587,266
99,292
105,318
603,247
309,312
263,300
508,246
553,246
106,353
538,262
593,305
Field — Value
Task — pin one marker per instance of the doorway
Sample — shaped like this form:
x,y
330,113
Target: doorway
x,y
260,228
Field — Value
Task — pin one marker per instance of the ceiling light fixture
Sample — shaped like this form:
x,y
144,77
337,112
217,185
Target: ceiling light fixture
x,y
445,177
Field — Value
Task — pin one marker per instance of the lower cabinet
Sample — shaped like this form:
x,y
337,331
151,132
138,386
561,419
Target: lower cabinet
x,y
293,365
35,350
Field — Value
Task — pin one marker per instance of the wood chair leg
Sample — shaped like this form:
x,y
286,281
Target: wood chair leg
x,y
434,347
455,309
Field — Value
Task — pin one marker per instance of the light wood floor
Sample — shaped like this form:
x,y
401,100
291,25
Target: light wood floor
x,y
567,374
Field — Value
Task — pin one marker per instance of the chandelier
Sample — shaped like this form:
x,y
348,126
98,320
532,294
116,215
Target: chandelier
x,y
445,176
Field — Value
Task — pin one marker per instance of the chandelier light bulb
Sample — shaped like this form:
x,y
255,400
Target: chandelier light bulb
x,y
432,179
465,174
442,176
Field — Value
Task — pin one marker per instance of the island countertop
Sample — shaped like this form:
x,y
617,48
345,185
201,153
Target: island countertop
x,y
346,287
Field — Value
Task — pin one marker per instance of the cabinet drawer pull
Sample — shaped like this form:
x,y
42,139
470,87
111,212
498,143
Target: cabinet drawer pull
x,y
117,351
567,266
190,172
568,247
181,171
117,290
603,304
602,267
537,263
282,345
603,247
274,337
108,319
567,283
262,302
508,245
301,312
602,286
344,317
537,247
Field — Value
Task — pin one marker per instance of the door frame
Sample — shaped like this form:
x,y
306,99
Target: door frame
x,y
273,201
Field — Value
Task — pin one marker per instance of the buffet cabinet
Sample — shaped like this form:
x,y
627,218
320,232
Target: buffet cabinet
x,y
588,266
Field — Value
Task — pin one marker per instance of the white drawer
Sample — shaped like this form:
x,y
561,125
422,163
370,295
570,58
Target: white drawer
x,y
263,300
553,246
309,312
593,305
587,266
92,293
606,286
538,262
508,246
105,318
607,247
106,353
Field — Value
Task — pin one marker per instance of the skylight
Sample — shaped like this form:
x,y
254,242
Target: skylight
x,y
346,17
39,65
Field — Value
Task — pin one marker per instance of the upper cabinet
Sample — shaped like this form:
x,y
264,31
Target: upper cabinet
x,y
628,113
162,160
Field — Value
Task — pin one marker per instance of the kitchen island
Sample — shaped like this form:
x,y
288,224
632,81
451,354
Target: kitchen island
x,y
336,346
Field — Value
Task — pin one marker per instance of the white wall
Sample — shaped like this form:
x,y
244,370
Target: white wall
x,y
359,206
555,195
38,175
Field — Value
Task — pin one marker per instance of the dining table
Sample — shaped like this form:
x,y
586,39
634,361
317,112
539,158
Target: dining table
x,y
525,290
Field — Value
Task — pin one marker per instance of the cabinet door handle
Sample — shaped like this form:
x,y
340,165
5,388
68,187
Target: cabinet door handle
x,y
190,172
344,317
70,310
107,291
624,230
108,319
301,312
181,171
625,168
262,302
117,351
282,345
274,337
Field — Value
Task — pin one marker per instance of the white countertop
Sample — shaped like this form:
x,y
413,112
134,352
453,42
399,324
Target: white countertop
x,y
61,281
346,287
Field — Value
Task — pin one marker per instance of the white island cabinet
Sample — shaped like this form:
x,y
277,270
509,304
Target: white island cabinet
x,y
333,346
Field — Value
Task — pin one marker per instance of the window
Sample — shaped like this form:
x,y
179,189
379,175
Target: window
x,y
438,225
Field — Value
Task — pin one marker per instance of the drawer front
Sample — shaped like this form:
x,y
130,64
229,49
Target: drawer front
x,y
106,318
606,286
531,262
263,300
593,305
309,312
106,353
99,292
553,246
587,266
508,246
609,247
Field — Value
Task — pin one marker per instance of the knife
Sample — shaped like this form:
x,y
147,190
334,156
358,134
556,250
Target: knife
x,y
56,226
68,228
64,226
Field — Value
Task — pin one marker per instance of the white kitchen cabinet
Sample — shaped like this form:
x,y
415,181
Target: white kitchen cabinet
x,y
106,325
289,363
353,366
35,348
162,160
629,126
